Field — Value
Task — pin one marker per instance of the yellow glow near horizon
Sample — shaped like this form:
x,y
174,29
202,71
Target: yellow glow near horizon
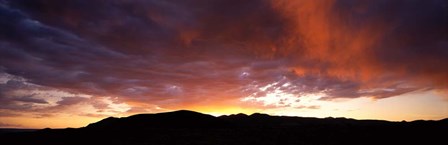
x,y
411,106
222,110
64,121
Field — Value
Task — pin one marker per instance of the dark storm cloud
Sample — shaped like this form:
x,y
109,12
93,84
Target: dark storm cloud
x,y
11,101
180,52
158,67
418,42
20,96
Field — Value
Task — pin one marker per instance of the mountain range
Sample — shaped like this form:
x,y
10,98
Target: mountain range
x,y
188,127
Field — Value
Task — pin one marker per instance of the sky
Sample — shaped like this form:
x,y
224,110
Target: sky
x,y
71,63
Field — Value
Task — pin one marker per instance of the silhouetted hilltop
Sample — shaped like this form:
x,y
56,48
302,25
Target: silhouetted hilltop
x,y
188,127
191,119
176,119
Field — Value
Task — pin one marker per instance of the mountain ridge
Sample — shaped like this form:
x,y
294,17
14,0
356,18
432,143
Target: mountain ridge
x,y
192,119
189,127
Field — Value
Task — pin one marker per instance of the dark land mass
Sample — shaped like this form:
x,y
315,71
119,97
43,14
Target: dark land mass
x,y
192,128
15,130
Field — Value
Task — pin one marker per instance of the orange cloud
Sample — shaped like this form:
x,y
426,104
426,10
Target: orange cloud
x,y
330,39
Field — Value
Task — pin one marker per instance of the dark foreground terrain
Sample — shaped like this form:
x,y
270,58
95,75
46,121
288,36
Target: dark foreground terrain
x,y
192,128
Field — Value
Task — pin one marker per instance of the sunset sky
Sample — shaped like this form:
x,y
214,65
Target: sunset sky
x,y
68,63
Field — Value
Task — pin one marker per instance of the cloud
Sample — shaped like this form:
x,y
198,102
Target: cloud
x,y
9,125
11,98
31,100
181,53
20,98
8,114
71,100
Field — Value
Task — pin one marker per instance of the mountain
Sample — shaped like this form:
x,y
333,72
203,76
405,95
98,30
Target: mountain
x,y
188,127
176,119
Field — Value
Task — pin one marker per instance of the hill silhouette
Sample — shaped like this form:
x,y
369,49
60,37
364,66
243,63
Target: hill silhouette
x,y
188,127
176,119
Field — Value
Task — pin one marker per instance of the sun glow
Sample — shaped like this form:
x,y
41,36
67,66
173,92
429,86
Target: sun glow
x,y
275,95
275,100
222,110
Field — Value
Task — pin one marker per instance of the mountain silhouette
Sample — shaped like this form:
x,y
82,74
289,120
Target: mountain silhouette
x,y
176,119
188,127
